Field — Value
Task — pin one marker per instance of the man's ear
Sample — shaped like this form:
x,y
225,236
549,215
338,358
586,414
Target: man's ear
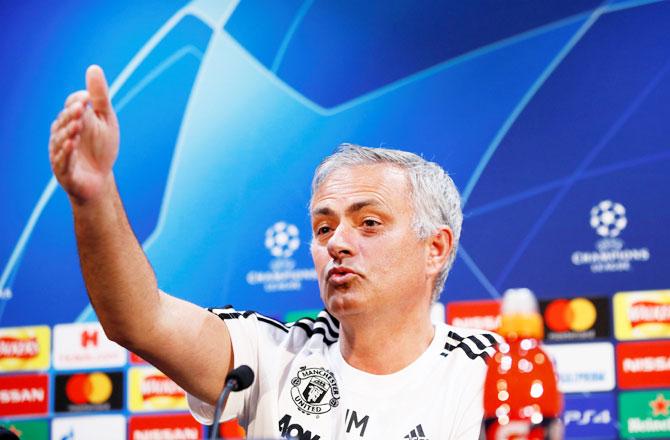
x,y
439,244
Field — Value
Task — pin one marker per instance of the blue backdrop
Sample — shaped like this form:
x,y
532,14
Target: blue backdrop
x,y
539,113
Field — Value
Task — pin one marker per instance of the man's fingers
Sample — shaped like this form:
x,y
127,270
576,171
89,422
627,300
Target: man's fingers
x,y
61,160
78,96
66,131
96,84
67,115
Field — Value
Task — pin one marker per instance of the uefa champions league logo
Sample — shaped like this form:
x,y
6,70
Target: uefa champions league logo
x,y
282,239
608,219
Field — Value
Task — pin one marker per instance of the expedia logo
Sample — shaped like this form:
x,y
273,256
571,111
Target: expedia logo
x,y
18,348
315,390
576,319
95,391
159,386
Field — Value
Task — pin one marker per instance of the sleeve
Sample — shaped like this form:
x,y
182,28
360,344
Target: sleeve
x,y
244,335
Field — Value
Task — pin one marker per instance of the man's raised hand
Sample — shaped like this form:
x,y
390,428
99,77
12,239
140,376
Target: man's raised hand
x,y
84,140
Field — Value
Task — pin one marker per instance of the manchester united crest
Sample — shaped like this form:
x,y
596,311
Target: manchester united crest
x,y
315,390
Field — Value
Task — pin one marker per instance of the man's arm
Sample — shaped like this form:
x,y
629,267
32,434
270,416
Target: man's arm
x,y
186,342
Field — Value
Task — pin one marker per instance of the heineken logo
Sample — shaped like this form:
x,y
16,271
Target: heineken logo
x,y
645,413
660,406
315,390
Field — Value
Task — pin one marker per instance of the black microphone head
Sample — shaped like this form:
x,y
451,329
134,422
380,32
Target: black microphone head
x,y
243,377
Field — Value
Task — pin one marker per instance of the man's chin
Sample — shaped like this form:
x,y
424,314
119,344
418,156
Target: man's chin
x,y
342,302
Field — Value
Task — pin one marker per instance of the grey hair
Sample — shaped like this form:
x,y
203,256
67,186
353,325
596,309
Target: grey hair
x,y
433,193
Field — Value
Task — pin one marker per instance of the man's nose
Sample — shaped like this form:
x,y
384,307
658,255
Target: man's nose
x,y
340,243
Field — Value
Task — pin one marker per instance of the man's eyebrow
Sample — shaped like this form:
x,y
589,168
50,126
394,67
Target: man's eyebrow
x,y
357,206
354,207
322,211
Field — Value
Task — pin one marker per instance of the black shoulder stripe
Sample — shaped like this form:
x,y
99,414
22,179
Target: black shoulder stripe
x,y
261,318
491,338
312,331
334,332
315,324
455,336
474,346
272,322
472,355
477,342
232,315
335,321
449,347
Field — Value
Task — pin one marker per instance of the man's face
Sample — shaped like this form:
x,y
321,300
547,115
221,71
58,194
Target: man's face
x,y
367,255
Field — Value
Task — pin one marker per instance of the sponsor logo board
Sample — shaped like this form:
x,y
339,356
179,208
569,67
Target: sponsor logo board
x,y
645,414
295,315
24,395
643,364
91,391
136,360
590,416
79,346
111,427
25,348
575,319
282,240
151,390
474,314
28,429
642,315
172,427
583,367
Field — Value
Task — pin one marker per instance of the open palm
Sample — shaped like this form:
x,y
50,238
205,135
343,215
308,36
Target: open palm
x,y
84,140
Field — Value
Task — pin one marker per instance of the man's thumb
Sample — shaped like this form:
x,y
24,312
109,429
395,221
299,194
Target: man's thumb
x,y
96,84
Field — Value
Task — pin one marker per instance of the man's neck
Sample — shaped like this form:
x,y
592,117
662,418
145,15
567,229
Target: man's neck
x,y
385,344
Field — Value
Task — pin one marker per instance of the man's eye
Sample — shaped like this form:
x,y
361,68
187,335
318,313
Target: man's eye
x,y
323,230
370,223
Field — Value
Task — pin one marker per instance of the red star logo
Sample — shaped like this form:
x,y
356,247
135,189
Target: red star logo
x,y
660,406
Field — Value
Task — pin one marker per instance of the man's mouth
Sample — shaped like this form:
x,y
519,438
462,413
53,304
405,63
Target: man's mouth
x,y
340,275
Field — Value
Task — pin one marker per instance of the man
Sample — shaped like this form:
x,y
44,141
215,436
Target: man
x,y
385,228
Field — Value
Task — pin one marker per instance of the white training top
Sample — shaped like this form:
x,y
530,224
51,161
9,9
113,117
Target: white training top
x,y
305,390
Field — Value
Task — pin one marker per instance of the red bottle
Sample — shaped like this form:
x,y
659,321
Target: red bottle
x,y
521,397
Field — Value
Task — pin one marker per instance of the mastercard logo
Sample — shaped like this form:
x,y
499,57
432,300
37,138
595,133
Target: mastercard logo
x,y
92,388
562,315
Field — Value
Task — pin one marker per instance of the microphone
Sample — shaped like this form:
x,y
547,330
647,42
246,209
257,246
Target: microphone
x,y
238,379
